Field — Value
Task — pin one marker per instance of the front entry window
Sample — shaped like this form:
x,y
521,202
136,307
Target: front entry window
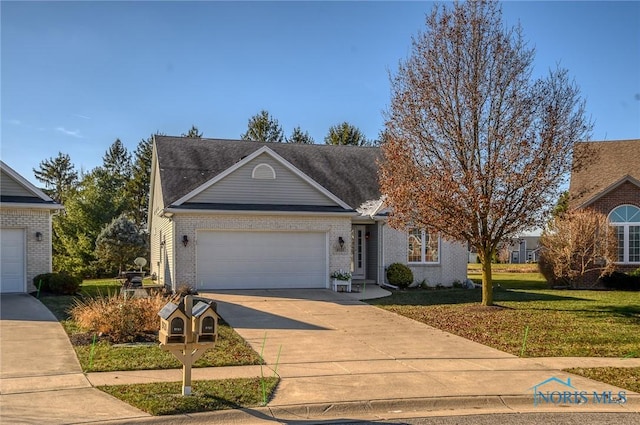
x,y
626,221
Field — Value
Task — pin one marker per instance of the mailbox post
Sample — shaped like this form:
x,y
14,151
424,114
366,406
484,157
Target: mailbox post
x,y
187,332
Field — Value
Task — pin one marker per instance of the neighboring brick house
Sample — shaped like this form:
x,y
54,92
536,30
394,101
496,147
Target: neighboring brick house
x,y
25,232
232,214
606,178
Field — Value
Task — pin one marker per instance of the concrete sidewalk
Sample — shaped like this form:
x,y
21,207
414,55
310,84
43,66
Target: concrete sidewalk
x,y
339,359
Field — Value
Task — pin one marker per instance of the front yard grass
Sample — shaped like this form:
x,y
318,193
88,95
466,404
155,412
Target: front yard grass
x,y
561,323
165,398
627,378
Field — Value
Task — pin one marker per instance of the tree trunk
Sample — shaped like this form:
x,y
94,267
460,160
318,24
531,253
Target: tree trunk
x,y
487,282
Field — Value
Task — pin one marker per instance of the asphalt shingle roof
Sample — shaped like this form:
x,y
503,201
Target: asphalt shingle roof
x,y
349,172
598,165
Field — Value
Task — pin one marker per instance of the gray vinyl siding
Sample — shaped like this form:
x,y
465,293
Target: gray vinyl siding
x,y
240,188
10,187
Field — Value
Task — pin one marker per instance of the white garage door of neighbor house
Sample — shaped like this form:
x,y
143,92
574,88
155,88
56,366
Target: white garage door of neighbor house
x,y
12,278
261,260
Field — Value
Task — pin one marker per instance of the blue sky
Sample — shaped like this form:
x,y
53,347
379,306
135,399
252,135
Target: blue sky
x,y
77,75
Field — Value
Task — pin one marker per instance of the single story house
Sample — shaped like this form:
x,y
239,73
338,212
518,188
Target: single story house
x,y
606,178
233,214
25,232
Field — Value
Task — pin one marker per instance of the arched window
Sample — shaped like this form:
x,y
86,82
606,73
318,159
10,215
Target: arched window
x,y
626,220
263,172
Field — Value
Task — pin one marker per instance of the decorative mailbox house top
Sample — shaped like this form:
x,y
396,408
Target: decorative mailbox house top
x,y
204,320
173,321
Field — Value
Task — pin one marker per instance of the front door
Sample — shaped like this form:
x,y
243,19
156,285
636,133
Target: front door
x,y
358,260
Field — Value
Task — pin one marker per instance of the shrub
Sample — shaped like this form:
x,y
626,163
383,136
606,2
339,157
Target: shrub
x,y
123,319
622,281
58,283
399,275
576,246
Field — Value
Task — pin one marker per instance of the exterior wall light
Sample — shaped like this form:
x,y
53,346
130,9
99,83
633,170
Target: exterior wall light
x,y
341,242
39,236
185,240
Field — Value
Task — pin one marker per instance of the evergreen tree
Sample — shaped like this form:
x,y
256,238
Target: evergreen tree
x,y
345,134
263,128
119,243
193,133
137,188
58,175
297,136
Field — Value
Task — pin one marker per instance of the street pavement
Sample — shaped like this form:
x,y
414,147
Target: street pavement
x,y
338,358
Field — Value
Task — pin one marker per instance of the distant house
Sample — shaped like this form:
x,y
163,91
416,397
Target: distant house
x,y
609,182
232,214
25,232
524,249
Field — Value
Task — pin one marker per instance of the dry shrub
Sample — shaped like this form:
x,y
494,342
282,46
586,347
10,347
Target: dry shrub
x,y
123,319
575,245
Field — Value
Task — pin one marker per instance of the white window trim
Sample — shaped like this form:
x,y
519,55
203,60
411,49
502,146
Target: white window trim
x,y
263,165
625,229
423,249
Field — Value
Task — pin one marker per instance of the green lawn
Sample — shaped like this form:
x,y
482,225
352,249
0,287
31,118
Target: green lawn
x,y
559,322
165,398
627,378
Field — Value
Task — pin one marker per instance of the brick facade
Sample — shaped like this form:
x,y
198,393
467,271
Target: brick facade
x,y
37,253
625,194
452,266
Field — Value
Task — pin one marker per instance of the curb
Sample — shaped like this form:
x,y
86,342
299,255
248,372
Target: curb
x,y
379,410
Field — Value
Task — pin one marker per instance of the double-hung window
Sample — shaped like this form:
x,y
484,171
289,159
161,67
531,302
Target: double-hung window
x,y
424,247
625,219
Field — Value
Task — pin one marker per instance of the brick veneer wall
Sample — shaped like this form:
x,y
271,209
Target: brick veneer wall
x,y
184,258
452,266
625,194
38,253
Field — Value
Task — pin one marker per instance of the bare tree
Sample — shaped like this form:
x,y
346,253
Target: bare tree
x,y
475,148
577,244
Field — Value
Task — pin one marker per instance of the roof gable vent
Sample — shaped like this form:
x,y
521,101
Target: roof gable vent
x,y
263,172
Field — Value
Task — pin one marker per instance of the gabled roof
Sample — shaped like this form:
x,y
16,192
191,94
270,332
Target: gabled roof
x,y
19,192
599,167
348,172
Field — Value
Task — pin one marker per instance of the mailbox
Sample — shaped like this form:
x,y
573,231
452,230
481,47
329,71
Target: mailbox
x,y
173,324
204,322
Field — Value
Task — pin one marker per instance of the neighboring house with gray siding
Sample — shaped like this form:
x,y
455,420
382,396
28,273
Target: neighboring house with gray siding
x,y
25,232
232,214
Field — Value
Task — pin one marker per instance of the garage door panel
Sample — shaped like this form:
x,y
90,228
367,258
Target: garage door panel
x,y
259,260
12,260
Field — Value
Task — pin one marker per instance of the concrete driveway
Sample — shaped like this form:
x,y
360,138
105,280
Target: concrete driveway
x,y
328,347
41,381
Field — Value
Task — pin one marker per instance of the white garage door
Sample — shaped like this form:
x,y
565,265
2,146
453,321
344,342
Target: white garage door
x,y
12,278
260,260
